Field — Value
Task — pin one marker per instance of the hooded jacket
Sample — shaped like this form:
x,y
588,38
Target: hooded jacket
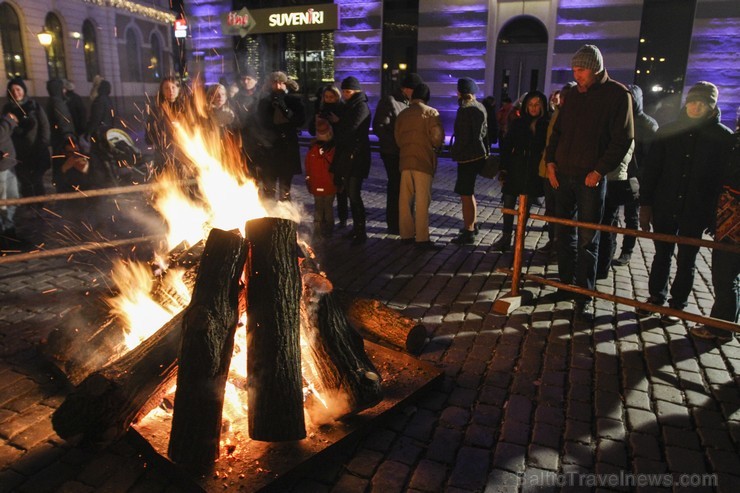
x,y
101,111
522,148
384,121
60,118
7,150
645,128
682,175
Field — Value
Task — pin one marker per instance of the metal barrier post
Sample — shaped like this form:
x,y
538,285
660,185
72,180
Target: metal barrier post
x,y
513,299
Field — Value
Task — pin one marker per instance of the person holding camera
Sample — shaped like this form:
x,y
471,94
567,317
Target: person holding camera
x,y
31,138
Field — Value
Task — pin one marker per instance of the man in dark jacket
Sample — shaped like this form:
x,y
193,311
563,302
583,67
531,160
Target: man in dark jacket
x,y
31,138
76,107
593,133
384,123
8,180
351,162
60,122
679,188
280,116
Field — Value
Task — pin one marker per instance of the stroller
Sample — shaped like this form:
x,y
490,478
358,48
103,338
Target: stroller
x,y
121,162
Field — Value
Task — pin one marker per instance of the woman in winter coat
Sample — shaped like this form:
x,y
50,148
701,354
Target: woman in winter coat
x,y
31,138
521,152
469,149
170,105
352,158
101,111
679,188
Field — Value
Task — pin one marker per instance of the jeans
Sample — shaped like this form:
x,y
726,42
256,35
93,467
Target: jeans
x,y
631,221
578,250
617,193
8,190
726,282
660,271
392,191
550,208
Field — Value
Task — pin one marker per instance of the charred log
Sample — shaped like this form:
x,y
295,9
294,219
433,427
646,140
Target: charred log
x,y
209,324
273,332
108,401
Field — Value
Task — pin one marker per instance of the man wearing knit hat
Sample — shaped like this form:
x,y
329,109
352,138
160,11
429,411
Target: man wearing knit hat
x,y
591,136
384,123
680,183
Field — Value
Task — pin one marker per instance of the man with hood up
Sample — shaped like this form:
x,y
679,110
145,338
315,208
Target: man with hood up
x,y
678,192
76,107
593,133
101,111
31,138
384,123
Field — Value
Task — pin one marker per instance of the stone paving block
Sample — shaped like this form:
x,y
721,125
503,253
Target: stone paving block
x,y
421,425
684,460
433,400
515,432
578,453
547,435
470,469
37,459
406,451
498,379
518,408
579,431
577,410
668,394
48,479
77,487
543,457
492,395
672,414
525,384
610,428
500,481
612,452
715,438
364,463
486,415
536,480
644,445
462,397
643,465
724,461
637,399
443,447
9,455
348,483
18,388
470,377
509,456
34,435
454,417
428,476
642,421
391,476
10,480
608,404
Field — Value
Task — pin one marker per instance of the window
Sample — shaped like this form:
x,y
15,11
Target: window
x,y
90,45
133,74
155,59
10,34
55,51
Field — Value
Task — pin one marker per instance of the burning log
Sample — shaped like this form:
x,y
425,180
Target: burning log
x,y
105,404
273,332
336,360
91,338
380,323
209,325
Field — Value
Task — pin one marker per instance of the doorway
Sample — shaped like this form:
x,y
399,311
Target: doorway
x,y
521,58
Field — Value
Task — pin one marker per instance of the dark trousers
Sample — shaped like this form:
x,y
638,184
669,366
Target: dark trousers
x,y
578,250
550,208
660,271
277,182
617,194
510,203
354,185
393,188
30,181
342,206
631,221
726,282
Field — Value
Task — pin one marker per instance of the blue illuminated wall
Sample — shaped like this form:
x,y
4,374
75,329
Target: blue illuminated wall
x,y
453,38
612,25
210,53
358,44
715,44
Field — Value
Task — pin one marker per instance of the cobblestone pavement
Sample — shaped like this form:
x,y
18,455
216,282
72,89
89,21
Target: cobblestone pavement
x,y
527,400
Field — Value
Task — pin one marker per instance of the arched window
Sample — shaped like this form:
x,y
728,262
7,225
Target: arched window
x,y
10,35
55,51
155,59
133,71
90,45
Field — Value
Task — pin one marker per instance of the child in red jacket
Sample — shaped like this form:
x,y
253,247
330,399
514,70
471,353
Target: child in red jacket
x,y
319,180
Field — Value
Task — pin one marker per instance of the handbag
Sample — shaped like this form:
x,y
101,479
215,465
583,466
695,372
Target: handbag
x,y
490,166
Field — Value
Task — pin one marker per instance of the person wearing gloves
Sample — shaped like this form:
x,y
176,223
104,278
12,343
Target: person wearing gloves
x,y
384,123
678,192
419,133
592,134
469,148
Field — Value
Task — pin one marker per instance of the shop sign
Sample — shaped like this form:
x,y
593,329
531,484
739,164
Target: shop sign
x,y
181,28
322,17
237,23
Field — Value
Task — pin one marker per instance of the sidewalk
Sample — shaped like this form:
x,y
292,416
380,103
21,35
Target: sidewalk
x,y
529,399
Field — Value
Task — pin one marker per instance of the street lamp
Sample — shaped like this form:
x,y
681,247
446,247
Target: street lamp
x,y
45,38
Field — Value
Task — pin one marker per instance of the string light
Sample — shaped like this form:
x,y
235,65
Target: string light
x,y
135,8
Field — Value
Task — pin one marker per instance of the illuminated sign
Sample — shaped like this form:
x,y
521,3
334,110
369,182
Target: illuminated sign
x,y
324,17
181,28
237,23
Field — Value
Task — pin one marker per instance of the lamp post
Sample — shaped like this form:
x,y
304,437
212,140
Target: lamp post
x,y
45,38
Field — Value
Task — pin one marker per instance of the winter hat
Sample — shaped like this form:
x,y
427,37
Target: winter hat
x,y
278,77
588,57
68,85
411,81
351,83
705,92
17,81
421,92
466,85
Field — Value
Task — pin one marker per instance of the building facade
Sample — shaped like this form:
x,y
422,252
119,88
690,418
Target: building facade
x,y
508,46
126,42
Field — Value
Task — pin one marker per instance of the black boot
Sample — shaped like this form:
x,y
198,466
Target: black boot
x,y
503,244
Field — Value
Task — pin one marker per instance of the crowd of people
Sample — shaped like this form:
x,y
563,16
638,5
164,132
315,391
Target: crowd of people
x,y
589,149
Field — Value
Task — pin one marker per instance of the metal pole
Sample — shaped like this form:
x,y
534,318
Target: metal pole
x,y
85,247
